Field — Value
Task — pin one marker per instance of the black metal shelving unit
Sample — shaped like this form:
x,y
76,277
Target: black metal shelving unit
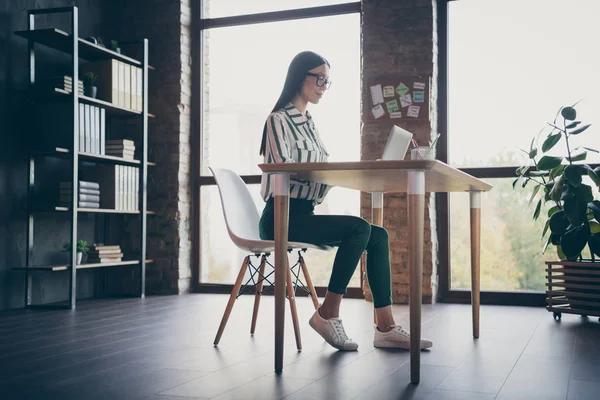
x,y
79,48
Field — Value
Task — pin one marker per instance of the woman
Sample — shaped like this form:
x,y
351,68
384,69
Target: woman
x,y
290,135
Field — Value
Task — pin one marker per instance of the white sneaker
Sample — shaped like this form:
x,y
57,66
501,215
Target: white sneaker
x,y
332,331
397,338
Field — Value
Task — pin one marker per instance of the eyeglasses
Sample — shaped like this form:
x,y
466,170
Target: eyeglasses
x,y
322,80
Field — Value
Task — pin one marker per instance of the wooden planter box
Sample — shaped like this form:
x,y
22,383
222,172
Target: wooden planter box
x,y
573,288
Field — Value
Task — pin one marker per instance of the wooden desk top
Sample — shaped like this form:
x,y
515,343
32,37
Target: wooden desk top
x,y
381,176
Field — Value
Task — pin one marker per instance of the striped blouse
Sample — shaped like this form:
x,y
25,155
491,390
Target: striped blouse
x,y
292,137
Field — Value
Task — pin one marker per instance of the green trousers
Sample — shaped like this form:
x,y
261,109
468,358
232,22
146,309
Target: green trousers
x,y
352,235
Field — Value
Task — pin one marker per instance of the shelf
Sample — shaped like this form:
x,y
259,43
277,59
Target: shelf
x,y
110,107
62,41
64,267
100,210
98,158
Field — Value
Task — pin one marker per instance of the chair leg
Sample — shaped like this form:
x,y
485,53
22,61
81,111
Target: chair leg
x,y
292,300
234,292
311,288
257,296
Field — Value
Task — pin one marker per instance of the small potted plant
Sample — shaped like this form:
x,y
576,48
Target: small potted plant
x,y
82,247
89,84
114,46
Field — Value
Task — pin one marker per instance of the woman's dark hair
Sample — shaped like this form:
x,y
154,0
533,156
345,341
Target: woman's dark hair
x,y
300,65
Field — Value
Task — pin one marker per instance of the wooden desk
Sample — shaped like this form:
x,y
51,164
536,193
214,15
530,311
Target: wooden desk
x,y
378,177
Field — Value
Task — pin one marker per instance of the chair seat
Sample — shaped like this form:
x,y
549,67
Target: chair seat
x,y
268,246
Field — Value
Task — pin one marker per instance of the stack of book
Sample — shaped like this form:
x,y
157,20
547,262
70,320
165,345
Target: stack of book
x,y
99,253
64,82
122,148
88,197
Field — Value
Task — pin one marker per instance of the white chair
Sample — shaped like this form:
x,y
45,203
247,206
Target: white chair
x,y
242,218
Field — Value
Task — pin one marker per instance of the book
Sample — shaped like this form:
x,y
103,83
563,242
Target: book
x,y
82,185
67,192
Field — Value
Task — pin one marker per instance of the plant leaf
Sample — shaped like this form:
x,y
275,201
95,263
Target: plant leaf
x,y
559,222
535,191
593,150
549,162
557,171
552,211
573,174
584,194
546,226
536,213
547,244
560,253
594,227
533,153
550,142
575,211
574,240
573,124
539,173
568,113
594,243
595,207
578,157
515,182
592,174
579,130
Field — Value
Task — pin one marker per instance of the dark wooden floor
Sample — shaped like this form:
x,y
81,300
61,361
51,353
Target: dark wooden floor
x,y
160,348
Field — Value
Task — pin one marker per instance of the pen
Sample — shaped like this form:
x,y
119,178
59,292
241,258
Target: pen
x,y
432,145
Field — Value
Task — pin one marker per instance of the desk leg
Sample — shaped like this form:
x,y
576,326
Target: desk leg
x,y
416,215
281,191
475,257
377,210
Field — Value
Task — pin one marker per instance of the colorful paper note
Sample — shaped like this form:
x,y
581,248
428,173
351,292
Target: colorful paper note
x,y
418,96
376,94
396,114
419,85
413,111
378,111
392,106
402,89
388,91
405,100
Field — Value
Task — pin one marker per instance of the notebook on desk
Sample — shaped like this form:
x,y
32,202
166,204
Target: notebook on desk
x,y
397,144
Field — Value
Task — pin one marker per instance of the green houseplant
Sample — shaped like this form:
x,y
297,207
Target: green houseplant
x,y
89,84
573,219
82,247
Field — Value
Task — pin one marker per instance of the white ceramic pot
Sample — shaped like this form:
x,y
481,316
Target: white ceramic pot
x,y
79,257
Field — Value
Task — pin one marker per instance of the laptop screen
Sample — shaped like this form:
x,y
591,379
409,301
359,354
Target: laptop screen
x,y
397,144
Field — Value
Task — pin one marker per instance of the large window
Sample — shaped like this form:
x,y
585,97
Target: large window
x,y
511,65
245,67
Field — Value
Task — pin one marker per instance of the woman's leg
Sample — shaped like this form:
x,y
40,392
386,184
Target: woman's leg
x,y
351,234
379,275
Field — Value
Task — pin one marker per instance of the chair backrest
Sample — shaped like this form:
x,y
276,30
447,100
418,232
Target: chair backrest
x,y
241,215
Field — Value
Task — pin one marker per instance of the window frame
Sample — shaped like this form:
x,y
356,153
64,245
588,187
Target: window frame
x,y
199,25
446,293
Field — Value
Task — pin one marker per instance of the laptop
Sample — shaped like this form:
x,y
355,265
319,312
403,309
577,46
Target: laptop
x,y
397,144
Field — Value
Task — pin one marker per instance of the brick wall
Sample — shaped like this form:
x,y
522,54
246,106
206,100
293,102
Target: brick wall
x,y
399,38
166,24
